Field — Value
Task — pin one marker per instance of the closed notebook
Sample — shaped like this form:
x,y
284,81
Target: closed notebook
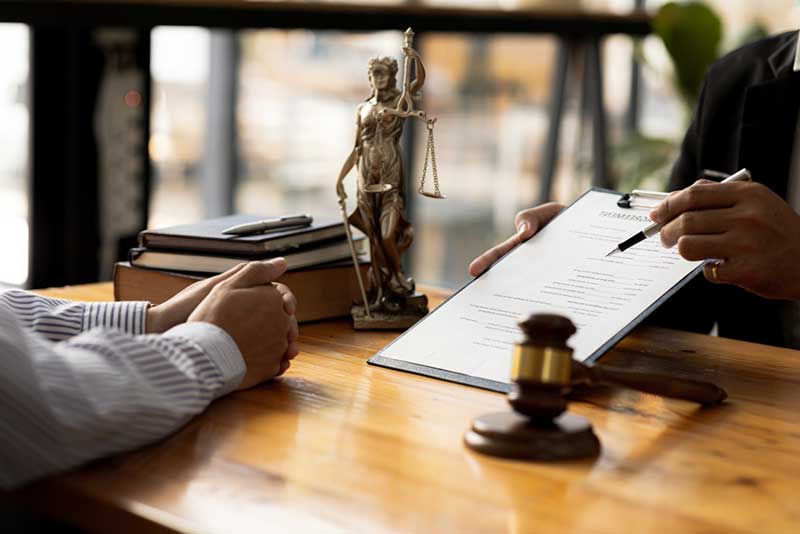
x,y
207,236
211,263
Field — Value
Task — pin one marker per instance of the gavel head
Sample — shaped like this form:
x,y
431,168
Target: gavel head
x,y
542,366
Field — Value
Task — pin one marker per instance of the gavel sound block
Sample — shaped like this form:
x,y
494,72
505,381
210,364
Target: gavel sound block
x,y
543,372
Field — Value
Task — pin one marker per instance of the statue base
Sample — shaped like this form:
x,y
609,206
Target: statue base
x,y
382,318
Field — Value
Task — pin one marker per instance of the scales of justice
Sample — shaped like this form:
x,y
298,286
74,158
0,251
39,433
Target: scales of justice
x,y
389,299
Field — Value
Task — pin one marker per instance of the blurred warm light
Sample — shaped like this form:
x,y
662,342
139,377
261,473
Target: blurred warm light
x,y
160,147
180,55
179,66
14,154
14,239
133,98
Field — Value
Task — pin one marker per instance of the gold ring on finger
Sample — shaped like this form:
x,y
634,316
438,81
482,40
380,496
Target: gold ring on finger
x,y
715,271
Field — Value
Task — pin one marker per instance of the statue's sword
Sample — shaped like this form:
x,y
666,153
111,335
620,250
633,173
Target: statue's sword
x,y
356,266
405,97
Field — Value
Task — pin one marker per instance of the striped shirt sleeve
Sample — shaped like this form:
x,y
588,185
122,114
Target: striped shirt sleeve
x,y
59,319
101,392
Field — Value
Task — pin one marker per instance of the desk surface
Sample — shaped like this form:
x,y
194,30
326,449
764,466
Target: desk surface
x,y
337,445
434,15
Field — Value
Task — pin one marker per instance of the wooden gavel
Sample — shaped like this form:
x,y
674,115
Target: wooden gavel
x,y
543,373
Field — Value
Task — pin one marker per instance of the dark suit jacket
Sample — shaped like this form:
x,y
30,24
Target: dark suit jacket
x,y
746,117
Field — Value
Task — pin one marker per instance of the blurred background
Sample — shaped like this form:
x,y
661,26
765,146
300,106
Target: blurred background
x,y
297,92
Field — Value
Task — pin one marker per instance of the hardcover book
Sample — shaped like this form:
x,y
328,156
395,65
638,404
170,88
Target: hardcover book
x,y
322,292
207,236
199,262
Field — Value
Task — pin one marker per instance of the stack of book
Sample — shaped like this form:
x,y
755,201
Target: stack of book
x,y
320,268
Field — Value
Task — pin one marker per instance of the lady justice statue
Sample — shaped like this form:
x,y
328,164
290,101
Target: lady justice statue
x,y
389,300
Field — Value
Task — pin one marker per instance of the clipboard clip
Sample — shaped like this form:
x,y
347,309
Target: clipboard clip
x,y
647,200
641,199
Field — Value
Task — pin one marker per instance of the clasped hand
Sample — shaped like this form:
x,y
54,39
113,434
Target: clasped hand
x,y
256,312
751,232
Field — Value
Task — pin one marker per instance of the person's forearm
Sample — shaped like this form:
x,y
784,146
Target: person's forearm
x,y
59,319
102,392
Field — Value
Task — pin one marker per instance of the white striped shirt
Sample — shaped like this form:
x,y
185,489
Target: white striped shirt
x,y
79,381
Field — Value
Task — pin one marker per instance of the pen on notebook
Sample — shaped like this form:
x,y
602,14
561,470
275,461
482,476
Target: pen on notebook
x,y
653,228
265,225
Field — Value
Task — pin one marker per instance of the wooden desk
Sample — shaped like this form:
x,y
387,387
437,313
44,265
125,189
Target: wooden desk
x,y
338,445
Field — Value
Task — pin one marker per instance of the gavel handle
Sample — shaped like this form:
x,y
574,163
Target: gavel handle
x,y
662,384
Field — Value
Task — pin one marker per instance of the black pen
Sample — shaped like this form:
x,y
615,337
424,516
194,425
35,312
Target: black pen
x,y
653,228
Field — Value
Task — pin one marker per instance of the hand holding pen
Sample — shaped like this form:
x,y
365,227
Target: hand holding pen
x,y
655,227
751,235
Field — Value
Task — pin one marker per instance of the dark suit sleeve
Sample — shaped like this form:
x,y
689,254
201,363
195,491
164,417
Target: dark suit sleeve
x,y
737,86
688,309
687,167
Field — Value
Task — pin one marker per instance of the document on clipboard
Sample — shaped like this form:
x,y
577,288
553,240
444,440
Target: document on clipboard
x,y
563,269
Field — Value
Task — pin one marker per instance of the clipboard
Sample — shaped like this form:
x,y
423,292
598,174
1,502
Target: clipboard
x,y
380,359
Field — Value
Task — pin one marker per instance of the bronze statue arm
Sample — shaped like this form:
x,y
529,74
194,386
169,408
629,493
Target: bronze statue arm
x,y
348,165
405,107
419,80
351,161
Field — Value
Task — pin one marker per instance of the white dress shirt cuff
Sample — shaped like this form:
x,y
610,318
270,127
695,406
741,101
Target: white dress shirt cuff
x,y
220,348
